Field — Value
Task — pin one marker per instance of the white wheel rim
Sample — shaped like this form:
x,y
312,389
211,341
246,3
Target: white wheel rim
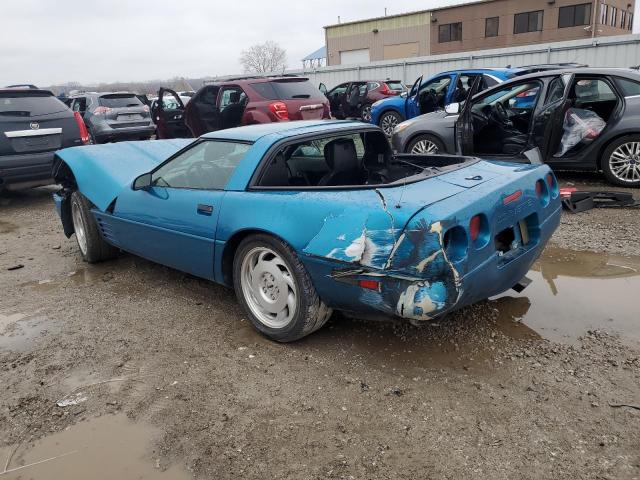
x,y
78,226
424,147
268,287
388,123
624,162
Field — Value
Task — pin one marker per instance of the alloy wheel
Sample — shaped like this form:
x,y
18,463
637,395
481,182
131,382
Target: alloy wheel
x,y
366,114
624,162
78,226
424,147
388,123
268,287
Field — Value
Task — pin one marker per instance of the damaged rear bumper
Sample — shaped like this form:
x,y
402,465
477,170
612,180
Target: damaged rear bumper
x,y
420,299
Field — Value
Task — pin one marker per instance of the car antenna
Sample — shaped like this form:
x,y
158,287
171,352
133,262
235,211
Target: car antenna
x,y
404,186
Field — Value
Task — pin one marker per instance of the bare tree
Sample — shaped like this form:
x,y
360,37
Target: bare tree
x,y
263,58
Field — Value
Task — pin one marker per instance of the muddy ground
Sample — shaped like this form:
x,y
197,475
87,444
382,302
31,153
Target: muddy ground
x,y
132,370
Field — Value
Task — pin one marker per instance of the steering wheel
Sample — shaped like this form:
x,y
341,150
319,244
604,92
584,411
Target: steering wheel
x,y
501,113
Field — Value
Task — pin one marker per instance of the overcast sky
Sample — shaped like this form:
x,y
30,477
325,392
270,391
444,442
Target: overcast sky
x,y
54,41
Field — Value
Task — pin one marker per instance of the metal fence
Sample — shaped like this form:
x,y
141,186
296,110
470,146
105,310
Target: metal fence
x,y
618,51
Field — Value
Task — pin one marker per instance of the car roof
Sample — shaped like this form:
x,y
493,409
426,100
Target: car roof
x,y
620,72
252,133
25,91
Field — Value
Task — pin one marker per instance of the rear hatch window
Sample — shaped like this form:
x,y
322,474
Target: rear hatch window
x,y
29,104
395,85
288,89
119,100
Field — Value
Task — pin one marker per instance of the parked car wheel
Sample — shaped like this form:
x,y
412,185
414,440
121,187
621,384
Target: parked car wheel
x,y
365,113
621,161
425,145
92,246
388,122
275,290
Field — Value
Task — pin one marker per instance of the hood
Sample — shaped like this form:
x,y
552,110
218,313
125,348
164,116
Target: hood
x,y
102,171
396,102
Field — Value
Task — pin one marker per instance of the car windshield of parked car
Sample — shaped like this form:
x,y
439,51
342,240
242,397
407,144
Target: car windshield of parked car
x,y
395,86
295,89
207,165
14,104
119,100
511,95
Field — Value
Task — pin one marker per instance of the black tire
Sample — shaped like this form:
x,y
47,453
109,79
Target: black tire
x,y
421,139
633,159
96,249
92,137
388,121
310,312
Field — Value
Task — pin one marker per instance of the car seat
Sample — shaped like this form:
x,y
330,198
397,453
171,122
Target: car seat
x,y
344,165
276,173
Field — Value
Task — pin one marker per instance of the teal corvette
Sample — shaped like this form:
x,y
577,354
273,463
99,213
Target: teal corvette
x,y
303,218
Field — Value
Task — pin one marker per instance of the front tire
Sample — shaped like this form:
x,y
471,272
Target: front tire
x,y
91,244
621,161
425,145
365,113
275,290
388,122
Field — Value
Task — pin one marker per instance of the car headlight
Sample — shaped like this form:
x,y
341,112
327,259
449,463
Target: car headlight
x,y
401,126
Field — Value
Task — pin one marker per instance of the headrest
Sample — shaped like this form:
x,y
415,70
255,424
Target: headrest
x,y
234,97
340,155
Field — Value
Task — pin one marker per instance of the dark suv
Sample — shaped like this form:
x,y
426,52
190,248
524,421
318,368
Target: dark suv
x,y
239,101
354,99
113,116
33,125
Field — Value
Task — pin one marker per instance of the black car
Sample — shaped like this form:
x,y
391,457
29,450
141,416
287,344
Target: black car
x,y
113,116
33,125
572,119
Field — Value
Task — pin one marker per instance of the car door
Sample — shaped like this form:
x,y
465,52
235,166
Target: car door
x,y
232,101
202,114
410,103
464,124
169,115
431,96
335,97
170,215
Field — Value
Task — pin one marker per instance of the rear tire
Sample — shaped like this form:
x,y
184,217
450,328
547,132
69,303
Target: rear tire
x,y
388,122
275,290
365,113
92,246
425,145
621,161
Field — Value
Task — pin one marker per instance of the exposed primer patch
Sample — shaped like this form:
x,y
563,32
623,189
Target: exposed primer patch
x,y
394,249
436,227
421,300
423,264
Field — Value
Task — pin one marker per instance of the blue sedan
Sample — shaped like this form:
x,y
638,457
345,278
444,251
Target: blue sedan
x,y
304,218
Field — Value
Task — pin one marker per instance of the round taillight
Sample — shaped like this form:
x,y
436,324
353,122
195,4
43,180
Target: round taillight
x,y
542,191
553,185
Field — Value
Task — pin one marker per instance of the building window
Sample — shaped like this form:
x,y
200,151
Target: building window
x,y
491,26
630,21
623,18
450,32
612,16
574,15
603,13
528,22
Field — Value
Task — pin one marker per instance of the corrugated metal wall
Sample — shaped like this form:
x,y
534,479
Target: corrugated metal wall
x,y
618,51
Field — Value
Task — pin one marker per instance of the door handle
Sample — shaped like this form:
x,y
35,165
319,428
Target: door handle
x,y
205,209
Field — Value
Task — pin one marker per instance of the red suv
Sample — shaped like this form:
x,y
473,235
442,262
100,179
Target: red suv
x,y
238,101
354,99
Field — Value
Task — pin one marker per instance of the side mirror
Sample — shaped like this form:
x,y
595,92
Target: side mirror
x,y
143,182
452,108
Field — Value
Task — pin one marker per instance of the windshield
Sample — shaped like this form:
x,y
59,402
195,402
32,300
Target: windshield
x,y
287,90
18,104
504,95
119,101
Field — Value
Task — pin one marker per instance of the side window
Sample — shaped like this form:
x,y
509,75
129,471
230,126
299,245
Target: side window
x,y
79,105
339,89
592,90
230,96
487,82
439,84
372,85
555,91
208,165
629,87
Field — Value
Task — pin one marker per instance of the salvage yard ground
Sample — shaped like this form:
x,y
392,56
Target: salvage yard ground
x,y
128,367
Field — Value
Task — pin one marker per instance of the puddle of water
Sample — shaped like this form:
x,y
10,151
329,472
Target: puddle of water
x,y
105,448
573,292
7,227
19,332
